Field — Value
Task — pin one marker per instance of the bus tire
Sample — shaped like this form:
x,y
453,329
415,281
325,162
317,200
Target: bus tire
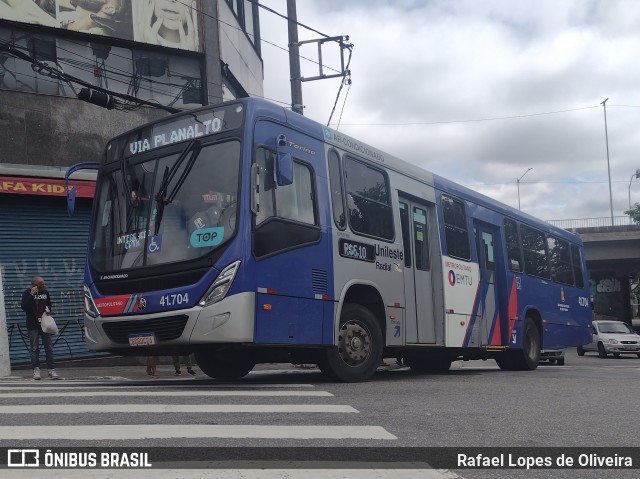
x,y
527,358
359,349
580,351
226,364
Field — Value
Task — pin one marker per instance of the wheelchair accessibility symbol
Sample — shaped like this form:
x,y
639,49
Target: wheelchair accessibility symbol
x,y
155,244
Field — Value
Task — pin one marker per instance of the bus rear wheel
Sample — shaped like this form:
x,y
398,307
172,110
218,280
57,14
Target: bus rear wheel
x,y
226,364
359,348
527,358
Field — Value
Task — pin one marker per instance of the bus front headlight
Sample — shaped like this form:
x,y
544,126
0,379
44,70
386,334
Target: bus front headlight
x,y
221,285
89,305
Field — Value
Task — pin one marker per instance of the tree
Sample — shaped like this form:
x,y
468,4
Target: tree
x,y
634,213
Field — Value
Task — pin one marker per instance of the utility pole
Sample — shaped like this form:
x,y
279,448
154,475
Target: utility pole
x,y
636,175
518,182
606,136
294,58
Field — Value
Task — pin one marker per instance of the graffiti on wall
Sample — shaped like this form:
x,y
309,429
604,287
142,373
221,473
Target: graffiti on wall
x,y
63,277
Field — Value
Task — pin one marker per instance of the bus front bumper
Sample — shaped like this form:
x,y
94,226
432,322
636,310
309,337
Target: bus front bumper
x,y
230,320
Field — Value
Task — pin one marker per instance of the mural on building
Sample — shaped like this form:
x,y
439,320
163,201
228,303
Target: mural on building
x,y
168,23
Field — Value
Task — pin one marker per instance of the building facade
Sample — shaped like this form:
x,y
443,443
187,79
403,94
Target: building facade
x,y
177,54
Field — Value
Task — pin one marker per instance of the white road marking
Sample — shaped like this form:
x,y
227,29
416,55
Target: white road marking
x,y
174,408
232,474
215,393
107,432
61,386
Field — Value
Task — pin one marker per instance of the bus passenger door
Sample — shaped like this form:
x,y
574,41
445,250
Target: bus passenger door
x,y
491,291
419,321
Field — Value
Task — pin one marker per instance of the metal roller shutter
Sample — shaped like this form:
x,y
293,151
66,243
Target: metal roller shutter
x,y
37,237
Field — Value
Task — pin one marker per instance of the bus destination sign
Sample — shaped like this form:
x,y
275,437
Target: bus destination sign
x,y
183,128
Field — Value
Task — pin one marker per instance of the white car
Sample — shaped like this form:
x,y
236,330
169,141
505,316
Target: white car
x,y
612,337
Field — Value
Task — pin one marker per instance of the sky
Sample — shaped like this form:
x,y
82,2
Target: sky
x,y
479,91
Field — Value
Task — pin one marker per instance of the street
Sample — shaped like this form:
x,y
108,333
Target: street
x,y
586,403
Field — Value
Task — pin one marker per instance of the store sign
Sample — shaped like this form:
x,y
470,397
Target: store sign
x,y
44,186
157,22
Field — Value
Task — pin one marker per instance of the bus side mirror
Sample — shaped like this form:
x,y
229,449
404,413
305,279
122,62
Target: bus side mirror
x,y
284,169
71,199
284,164
71,191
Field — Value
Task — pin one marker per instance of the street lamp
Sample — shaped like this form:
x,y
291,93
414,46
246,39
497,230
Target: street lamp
x,y
635,175
518,181
606,136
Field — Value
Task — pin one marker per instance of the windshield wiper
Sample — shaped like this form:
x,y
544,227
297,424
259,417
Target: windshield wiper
x,y
162,199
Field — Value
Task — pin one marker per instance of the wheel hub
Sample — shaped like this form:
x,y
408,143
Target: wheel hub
x,y
354,343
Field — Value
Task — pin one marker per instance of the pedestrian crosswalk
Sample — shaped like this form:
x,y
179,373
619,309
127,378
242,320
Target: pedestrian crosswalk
x,y
105,412
173,400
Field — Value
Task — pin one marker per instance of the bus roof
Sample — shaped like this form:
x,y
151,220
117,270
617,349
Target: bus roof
x,y
257,107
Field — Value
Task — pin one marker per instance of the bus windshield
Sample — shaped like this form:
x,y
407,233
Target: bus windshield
x,y
166,209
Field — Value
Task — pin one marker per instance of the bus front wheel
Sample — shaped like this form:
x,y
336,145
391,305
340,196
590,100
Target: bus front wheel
x,y
359,348
226,364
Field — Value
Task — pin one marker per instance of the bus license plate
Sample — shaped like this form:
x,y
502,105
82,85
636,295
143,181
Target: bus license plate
x,y
142,339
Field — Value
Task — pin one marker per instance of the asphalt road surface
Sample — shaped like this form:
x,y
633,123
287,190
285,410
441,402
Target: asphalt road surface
x,y
587,403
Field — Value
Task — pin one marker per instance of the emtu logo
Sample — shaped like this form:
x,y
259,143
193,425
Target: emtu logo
x,y
452,278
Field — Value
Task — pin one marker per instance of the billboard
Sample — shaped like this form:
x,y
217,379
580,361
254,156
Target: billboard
x,y
168,23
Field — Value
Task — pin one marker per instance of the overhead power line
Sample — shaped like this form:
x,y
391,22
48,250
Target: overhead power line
x,y
474,120
107,98
288,19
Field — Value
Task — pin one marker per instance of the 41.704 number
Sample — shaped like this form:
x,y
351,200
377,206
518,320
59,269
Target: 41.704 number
x,y
173,299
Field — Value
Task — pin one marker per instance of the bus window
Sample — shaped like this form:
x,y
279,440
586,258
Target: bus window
x,y
420,240
337,196
535,252
560,260
293,202
514,252
487,247
576,261
369,200
136,227
455,228
406,233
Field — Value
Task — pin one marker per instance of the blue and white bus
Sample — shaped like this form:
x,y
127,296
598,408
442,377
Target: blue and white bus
x,y
246,233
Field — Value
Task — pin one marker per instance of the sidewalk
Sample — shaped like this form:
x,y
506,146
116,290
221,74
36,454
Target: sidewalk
x,y
123,369
134,369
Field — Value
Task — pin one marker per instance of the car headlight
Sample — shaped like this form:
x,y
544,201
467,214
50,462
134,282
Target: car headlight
x,y
221,285
613,341
89,305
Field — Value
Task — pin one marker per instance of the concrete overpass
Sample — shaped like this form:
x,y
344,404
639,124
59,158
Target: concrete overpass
x,y
613,258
